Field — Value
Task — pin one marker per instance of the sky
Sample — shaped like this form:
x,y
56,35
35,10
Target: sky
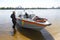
x,y
29,3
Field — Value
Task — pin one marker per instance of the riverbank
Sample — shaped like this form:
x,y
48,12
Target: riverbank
x,y
49,33
25,8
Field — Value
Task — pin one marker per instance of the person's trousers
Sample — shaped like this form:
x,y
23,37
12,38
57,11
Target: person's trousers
x,y
14,23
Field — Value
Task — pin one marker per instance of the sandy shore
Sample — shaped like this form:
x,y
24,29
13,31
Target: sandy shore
x,y
25,34
49,33
54,30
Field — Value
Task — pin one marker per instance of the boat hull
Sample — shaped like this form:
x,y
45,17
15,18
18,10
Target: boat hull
x,y
32,25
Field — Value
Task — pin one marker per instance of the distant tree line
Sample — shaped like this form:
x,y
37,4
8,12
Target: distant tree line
x,y
28,8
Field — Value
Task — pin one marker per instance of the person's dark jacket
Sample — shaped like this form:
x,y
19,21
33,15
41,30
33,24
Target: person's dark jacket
x,y
13,17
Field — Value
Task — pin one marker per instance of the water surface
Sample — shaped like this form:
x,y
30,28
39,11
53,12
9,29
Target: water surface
x,y
53,16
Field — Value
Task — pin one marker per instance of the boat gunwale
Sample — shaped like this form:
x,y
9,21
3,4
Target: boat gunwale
x,y
31,22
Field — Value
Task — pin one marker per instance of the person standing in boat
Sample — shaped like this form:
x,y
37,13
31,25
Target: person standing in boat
x,y
13,21
26,15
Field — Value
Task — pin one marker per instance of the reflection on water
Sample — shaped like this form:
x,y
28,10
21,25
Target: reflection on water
x,y
31,34
35,35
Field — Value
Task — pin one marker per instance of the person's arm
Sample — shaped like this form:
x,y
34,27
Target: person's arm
x,y
11,16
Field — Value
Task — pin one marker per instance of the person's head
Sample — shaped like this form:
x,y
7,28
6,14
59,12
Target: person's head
x,y
25,12
36,16
13,12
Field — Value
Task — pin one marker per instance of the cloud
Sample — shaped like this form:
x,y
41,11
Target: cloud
x,y
29,3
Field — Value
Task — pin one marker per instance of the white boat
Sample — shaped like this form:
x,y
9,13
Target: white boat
x,y
30,23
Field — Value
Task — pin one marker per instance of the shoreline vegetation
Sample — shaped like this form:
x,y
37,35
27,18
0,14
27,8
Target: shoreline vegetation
x,y
3,8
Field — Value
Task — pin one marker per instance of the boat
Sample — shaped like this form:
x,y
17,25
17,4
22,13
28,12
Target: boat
x,y
22,21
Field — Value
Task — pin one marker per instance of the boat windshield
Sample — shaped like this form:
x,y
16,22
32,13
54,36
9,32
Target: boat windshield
x,y
31,16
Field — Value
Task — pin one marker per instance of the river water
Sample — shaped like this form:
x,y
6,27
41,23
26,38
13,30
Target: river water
x,y
53,16
50,14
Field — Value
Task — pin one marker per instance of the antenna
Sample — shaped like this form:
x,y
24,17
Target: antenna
x,y
24,9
